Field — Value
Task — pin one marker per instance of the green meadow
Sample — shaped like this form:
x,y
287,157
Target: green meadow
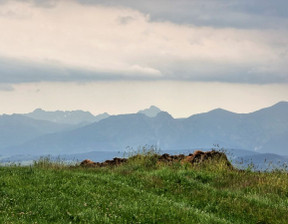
x,y
143,190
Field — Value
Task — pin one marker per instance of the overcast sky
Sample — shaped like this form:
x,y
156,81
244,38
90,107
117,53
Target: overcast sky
x,y
120,56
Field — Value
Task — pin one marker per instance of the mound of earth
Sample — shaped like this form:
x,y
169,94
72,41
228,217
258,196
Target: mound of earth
x,y
116,161
193,158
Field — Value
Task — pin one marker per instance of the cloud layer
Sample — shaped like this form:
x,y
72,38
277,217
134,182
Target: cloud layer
x,y
69,41
221,13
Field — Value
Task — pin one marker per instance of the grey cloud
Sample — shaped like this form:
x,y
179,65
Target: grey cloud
x,y
259,14
227,73
41,3
276,8
221,13
16,71
213,13
13,72
125,19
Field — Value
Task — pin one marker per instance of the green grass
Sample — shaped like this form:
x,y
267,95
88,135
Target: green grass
x,y
141,191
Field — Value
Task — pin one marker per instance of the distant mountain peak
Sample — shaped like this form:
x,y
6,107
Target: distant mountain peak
x,y
75,117
280,104
278,108
164,115
38,110
152,111
220,111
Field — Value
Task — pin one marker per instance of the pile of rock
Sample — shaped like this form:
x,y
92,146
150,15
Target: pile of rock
x,y
115,162
197,157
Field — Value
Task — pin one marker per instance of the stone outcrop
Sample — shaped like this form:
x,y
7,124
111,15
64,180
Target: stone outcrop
x,y
116,161
88,163
194,158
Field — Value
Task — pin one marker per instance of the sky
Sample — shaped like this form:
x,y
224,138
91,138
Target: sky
x,y
121,56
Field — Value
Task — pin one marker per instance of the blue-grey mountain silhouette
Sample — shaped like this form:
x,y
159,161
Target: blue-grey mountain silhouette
x,y
76,117
265,130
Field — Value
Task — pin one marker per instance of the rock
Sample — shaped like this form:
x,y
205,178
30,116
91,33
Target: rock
x,y
115,162
88,163
200,157
170,158
196,158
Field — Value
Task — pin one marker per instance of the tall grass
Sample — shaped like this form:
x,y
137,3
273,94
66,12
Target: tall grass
x,y
142,190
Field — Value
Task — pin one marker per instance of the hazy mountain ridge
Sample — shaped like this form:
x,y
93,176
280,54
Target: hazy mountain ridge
x,y
17,129
150,112
265,131
76,117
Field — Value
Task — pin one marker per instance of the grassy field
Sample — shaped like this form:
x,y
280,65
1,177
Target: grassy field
x,y
141,191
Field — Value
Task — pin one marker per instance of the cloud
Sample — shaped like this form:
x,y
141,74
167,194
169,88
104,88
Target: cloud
x,y
125,19
17,71
220,13
67,41
6,87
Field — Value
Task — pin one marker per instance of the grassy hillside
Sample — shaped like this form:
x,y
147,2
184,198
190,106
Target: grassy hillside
x,y
142,190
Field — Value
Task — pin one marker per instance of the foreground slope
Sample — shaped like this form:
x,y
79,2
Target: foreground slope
x,y
141,191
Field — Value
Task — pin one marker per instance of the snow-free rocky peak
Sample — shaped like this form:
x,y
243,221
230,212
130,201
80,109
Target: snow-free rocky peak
x,y
150,112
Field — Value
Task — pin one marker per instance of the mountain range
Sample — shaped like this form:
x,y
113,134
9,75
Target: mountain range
x,y
263,131
77,117
16,129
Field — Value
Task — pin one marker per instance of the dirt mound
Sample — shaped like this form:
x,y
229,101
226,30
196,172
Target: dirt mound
x,y
195,158
170,158
115,162
88,163
200,157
